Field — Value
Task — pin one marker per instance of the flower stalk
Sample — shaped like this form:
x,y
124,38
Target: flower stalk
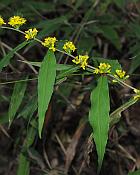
x,y
68,48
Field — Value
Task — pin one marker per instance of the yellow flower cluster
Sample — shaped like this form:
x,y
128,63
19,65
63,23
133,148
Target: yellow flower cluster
x,y
120,74
50,43
69,47
1,21
82,60
16,21
137,96
31,33
103,68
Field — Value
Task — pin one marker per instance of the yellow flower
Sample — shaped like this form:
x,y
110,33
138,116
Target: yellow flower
x,y
69,47
96,71
82,60
137,94
103,68
120,74
31,33
1,21
16,21
49,42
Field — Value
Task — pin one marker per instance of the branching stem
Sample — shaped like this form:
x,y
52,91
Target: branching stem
x,y
89,66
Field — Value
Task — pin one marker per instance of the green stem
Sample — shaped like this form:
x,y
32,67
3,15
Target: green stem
x,y
65,53
38,40
122,82
17,81
116,115
10,28
91,67
112,76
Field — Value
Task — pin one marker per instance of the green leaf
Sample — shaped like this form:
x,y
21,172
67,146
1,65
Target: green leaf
x,y
6,59
24,163
135,173
116,115
111,34
78,3
46,81
135,59
32,5
135,29
67,72
99,117
135,63
120,3
82,45
50,26
29,108
16,99
104,6
59,67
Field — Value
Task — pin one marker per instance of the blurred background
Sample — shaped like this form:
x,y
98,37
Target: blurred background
x,y
101,28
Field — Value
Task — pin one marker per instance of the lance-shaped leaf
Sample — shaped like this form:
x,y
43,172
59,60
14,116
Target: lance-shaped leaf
x,y
115,116
59,67
24,163
46,80
99,117
16,99
29,109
